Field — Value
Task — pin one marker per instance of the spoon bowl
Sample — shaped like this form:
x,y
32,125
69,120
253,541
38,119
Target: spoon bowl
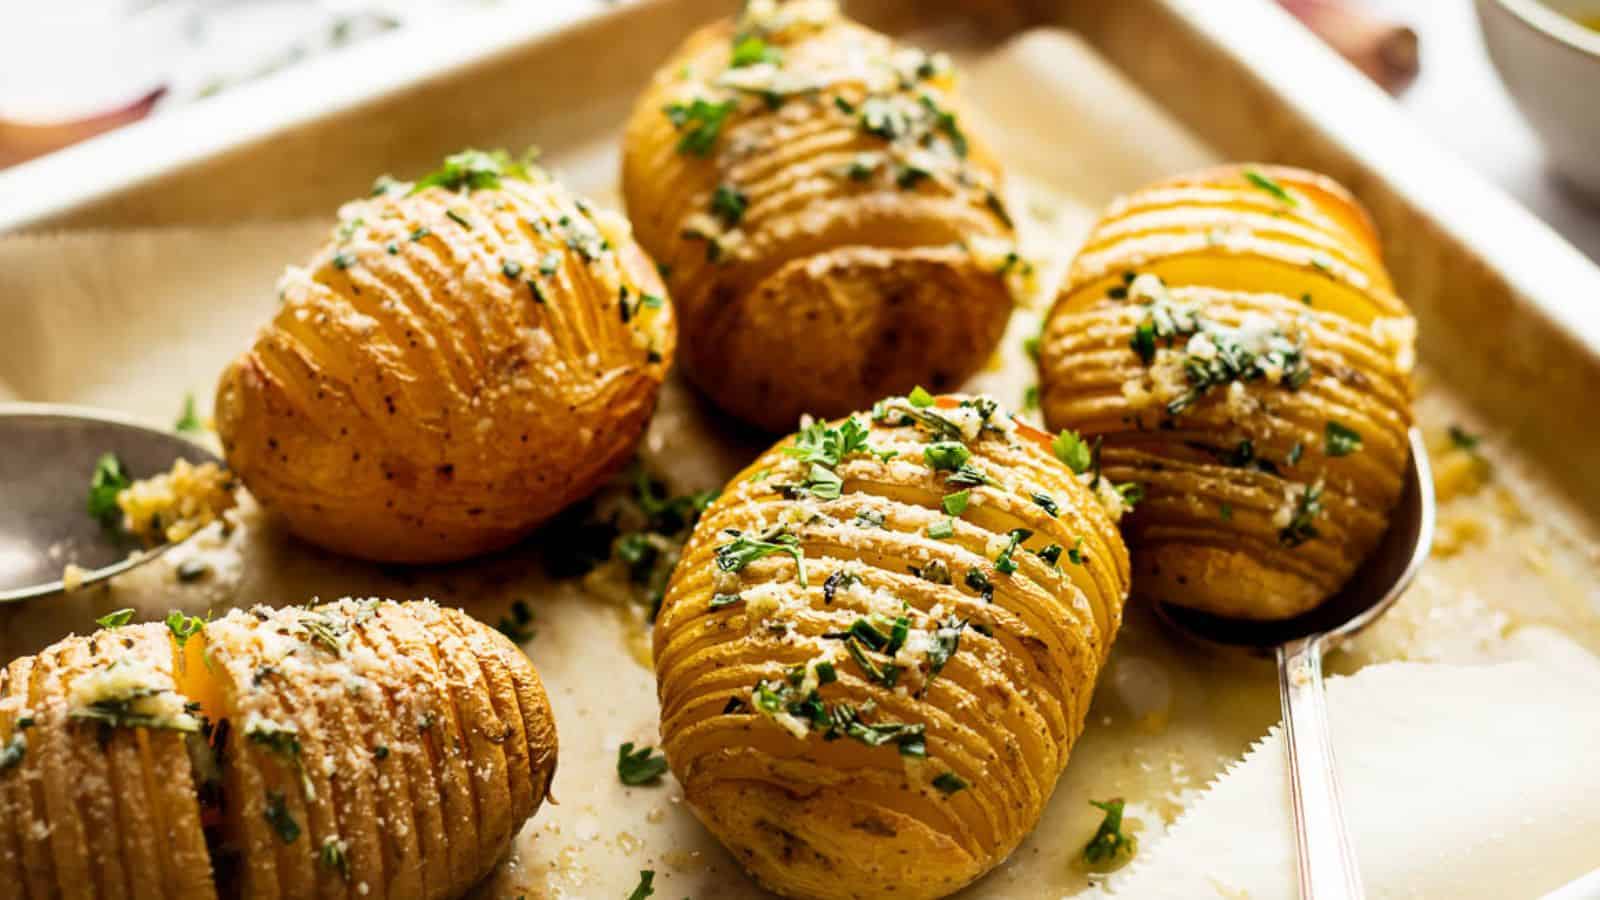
x,y
1326,860
47,455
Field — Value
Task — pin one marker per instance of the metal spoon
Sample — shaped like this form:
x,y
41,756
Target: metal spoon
x,y
1327,864
47,455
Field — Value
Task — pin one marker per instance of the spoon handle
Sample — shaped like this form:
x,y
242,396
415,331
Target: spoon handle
x,y
1327,862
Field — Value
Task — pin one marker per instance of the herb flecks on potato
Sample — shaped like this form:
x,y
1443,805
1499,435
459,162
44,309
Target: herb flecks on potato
x,y
881,642
833,231
355,749
466,356
1233,340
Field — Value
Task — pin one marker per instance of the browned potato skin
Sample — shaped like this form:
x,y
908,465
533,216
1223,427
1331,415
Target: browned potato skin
x,y
469,750
422,405
79,819
1313,268
838,291
840,819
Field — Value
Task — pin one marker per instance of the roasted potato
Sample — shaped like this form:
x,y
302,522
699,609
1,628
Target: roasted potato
x,y
467,356
1233,339
833,231
357,749
880,644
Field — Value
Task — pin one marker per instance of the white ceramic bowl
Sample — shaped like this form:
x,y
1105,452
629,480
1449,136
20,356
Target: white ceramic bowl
x,y
1551,65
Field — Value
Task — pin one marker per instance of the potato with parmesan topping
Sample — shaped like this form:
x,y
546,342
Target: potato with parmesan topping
x,y
356,749
1233,340
466,356
880,643
832,227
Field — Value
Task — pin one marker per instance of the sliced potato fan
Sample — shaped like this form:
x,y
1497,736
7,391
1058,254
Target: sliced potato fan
x,y
831,227
880,644
465,357
1233,339
356,749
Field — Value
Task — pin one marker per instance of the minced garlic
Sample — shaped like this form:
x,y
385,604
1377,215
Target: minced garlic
x,y
174,505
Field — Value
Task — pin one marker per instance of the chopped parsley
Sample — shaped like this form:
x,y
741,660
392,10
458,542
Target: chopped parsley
x,y
728,204
1463,439
751,50
1046,503
473,170
946,641
278,816
941,529
455,217
1050,553
639,767
946,455
15,749
839,579
968,475
342,261
1110,847
1077,555
188,421
510,268
1340,440
183,627
1073,450
919,397
742,551
115,619
1163,323
332,856
1004,563
1236,360
647,878
518,626
980,582
700,122
109,480
1302,523
1269,185
950,783
955,504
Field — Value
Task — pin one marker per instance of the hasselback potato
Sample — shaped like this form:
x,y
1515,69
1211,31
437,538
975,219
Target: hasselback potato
x,y
880,643
833,230
464,358
356,749
1234,340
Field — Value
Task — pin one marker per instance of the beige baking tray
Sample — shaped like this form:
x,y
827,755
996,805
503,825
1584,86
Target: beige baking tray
x,y
141,261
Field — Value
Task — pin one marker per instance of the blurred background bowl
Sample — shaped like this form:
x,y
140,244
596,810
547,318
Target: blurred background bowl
x,y
1550,62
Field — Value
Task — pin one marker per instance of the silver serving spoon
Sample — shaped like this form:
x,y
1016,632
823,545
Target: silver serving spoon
x,y
1327,863
47,455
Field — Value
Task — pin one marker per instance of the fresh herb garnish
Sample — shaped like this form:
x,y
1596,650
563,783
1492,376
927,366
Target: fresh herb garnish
x,y
518,625
1340,440
638,767
955,504
109,480
647,878
1073,450
115,619
188,421
728,204
1050,553
742,551
700,122
1269,185
980,582
1046,503
332,856
1464,439
839,579
472,170
941,529
183,627
1004,563
15,749
278,816
1109,846
950,783
1302,522
751,49
946,455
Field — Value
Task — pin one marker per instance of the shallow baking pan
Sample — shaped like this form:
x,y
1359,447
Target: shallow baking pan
x,y
1508,311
